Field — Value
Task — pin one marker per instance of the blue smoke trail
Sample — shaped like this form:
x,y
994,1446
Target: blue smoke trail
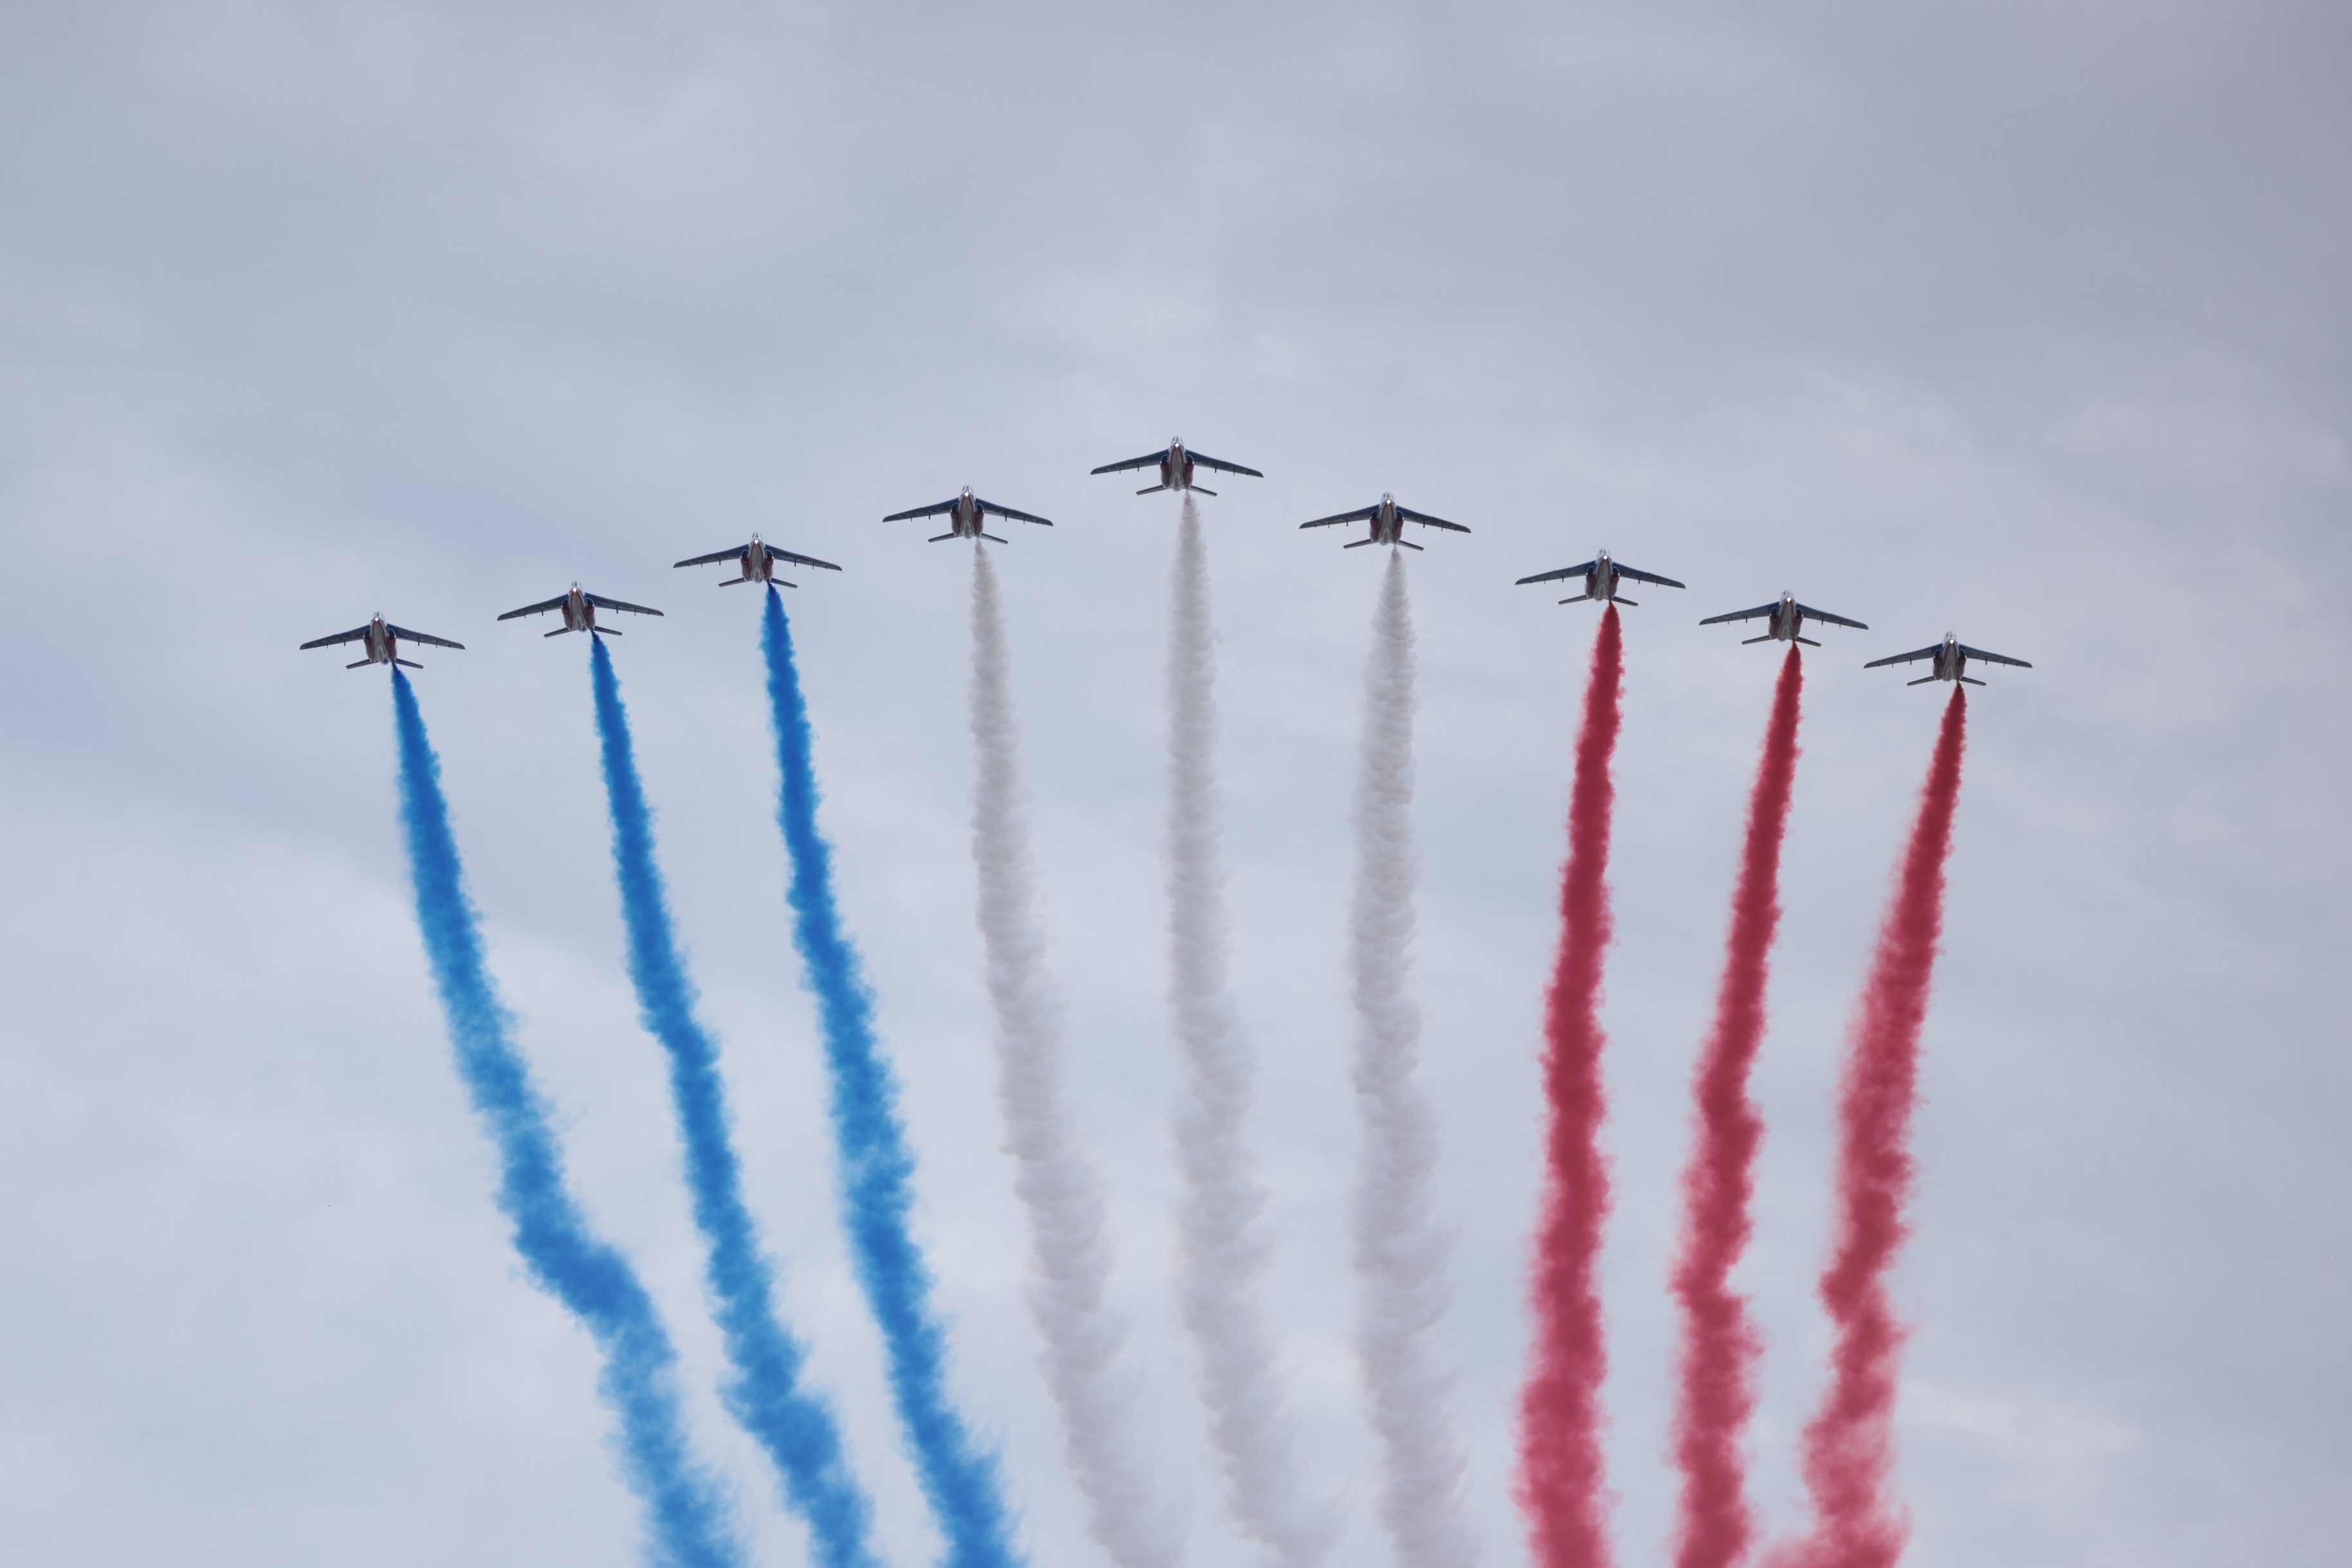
x,y
685,1517
958,1476
796,1428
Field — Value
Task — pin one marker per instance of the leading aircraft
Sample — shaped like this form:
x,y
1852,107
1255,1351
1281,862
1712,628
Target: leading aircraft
x,y
964,515
579,609
1388,520
1601,575
757,562
382,639
1951,656
1787,623
1176,466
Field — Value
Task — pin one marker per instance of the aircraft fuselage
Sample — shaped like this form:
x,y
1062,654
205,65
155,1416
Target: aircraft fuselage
x,y
1176,468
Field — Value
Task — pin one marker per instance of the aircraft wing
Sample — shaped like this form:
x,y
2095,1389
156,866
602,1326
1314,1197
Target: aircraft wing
x,y
1148,460
1563,573
1425,519
1360,515
1009,512
735,554
1809,613
1647,577
1929,652
601,602
1747,614
554,604
1993,658
1224,468
354,635
775,554
405,635
922,512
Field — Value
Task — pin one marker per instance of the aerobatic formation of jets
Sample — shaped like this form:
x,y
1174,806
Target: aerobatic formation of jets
x,y
967,514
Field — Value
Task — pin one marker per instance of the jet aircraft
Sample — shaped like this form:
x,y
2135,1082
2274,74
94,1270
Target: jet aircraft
x,y
757,562
1176,466
580,611
1951,656
1600,576
1786,621
965,514
1388,520
383,640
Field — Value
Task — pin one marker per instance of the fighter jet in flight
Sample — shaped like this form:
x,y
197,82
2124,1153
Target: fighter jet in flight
x,y
1388,520
580,611
382,639
1600,576
1786,621
1951,656
757,562
1176,466
964,515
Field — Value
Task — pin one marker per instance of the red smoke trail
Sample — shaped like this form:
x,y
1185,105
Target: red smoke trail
x,y
1560,1485
1849,1448
1720,1343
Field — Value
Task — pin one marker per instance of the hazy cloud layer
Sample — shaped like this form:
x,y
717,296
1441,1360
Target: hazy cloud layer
x,y
2024,322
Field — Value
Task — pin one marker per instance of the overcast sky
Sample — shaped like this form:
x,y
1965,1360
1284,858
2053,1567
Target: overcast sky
x,y
2027,322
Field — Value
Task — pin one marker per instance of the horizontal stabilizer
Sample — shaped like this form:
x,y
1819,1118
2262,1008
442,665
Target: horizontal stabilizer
x,y
1203,489
1151,489
993,539
1621,599
1971,680
1354,544
362,665
559,632
732,582
1920,682
781,581
936,538
1407,544
1750,641
408,663
1809,643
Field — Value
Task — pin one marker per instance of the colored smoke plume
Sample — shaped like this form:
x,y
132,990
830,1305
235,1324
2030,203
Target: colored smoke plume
x,y
1221,1217
1849,1445
958,1476
1720,1345
1400,1250
685,1516
1561,1486
1069,1239
797,1428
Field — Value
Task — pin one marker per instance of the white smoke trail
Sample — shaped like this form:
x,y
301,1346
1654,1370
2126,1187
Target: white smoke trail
x,y
1225,1244
1070,1249
1401,1251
